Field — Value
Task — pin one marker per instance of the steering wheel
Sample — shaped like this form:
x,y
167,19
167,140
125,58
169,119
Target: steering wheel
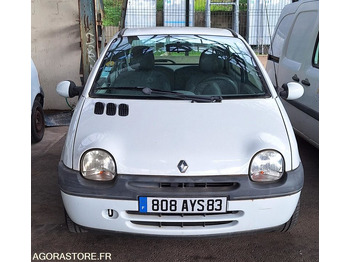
x,y
229,85
164,60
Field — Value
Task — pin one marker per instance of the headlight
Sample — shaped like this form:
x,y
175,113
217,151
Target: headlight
x,y
266,166
98,165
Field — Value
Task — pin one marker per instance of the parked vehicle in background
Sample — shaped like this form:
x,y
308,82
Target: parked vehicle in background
x,y
294,56
179,132
37,103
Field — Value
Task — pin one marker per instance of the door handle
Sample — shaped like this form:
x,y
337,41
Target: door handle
x,y
295,78
305,82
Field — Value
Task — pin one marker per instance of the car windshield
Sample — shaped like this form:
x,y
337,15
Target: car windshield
x,y
176,66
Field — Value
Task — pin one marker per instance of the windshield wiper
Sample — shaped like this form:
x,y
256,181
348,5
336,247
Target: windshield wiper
x,y
120,88
178,95
193,98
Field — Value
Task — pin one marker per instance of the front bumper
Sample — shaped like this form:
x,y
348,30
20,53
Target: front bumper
x,y
114,205
241,216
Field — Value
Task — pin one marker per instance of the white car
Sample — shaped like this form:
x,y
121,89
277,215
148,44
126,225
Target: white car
x,y
179,132
37,103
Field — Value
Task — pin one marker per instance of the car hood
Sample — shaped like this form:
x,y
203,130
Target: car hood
x,y
213,138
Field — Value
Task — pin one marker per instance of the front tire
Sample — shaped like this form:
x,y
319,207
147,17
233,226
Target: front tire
x,y
292,221
72,227
38,122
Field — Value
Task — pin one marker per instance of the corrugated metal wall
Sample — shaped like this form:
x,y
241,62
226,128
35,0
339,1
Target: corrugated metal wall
x,y
262,17
141,13
110,31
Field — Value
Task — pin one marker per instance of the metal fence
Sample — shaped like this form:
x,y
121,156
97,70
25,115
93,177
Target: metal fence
x,y
255,20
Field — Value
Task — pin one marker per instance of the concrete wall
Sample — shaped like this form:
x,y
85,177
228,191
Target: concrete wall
x,y
55,46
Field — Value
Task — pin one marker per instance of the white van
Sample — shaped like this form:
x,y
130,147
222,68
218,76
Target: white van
x,y
294,56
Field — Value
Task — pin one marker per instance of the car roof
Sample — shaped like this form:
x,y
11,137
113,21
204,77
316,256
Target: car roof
x,y
177,30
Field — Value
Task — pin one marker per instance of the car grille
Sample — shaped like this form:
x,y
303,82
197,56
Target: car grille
x,y
192,221
182,185
222,186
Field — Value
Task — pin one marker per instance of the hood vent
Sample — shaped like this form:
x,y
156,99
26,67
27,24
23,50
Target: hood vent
x,y
111,109
99,108
123,110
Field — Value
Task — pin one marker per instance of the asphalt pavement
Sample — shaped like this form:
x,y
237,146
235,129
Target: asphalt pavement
x,y
51,240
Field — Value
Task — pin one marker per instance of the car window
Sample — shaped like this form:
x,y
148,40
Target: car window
x,y
197,65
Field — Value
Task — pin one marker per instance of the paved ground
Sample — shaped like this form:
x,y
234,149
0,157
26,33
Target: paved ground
x,y
51,240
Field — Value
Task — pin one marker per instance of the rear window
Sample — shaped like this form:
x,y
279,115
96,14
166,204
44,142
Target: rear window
x,y
196,65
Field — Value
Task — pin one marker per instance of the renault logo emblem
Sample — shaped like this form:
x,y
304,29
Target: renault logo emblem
x,y
182,166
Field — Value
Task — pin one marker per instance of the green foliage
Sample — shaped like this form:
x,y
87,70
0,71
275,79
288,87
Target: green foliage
x,y
199,5
112,12
160,5
243,6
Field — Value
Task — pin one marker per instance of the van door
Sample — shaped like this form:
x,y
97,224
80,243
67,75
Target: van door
x,y
299,63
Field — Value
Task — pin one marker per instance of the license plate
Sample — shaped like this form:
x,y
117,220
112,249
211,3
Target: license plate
x,y
182,205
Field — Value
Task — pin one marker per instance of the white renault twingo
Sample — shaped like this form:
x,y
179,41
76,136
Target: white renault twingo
x,y
179,132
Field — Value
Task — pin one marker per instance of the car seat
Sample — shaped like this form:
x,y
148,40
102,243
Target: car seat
x,y
211,79
141,71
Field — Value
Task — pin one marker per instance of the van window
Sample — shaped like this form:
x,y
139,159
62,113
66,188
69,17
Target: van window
x,y
315,58
300,32
280,36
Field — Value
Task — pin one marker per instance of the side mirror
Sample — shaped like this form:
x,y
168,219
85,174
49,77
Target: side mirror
x,y
68,89
292,91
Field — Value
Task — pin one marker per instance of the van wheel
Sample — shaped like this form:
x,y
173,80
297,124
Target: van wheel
x,y
292,221
38,122
72,227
